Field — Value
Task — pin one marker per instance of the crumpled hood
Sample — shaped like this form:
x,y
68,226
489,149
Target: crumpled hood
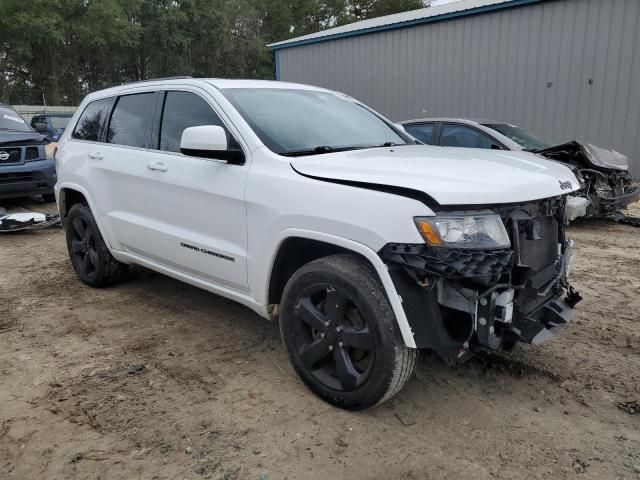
x,y
451,176
590,154
8,137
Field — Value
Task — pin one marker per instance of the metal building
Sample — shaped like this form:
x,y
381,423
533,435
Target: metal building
x,y
566,69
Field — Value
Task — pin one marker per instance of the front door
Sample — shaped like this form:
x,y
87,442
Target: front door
x,y
194,207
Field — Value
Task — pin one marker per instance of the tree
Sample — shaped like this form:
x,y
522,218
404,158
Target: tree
x,y
63,49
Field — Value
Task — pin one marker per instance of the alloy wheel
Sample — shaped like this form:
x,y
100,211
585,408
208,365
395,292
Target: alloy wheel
x,y
333,339
83,246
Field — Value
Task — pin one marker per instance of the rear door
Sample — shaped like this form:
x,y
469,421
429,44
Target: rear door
x,y
119,167
194,207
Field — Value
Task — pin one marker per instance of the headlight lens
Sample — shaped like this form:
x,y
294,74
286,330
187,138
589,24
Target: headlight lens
x,y
50,150
464,231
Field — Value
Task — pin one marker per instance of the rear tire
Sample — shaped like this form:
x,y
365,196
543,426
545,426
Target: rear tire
x,y
341,334
90,257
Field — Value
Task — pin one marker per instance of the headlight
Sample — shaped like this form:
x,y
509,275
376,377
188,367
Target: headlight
x,y
50,150
464,231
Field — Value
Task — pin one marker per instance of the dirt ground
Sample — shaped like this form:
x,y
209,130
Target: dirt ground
x,y
155,379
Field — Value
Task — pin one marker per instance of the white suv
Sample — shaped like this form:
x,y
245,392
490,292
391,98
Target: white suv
x,y
310,208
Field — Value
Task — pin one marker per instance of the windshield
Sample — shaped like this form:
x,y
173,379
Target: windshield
x,y
11,120
304,122
59,122
526,139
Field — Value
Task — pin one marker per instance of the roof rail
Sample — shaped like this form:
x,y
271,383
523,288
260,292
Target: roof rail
x,y
157,79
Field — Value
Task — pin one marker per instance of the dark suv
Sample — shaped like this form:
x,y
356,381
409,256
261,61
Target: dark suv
x,y
55,123
24,167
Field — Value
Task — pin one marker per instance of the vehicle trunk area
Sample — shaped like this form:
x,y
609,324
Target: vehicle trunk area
x,y
153,378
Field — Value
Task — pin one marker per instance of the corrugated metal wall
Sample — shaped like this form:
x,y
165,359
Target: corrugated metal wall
x,y
566,69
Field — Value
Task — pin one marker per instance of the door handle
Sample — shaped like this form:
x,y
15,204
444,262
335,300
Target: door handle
x,y
96,155
159,166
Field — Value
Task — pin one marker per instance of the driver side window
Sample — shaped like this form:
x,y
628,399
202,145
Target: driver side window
x,y
183,110
467,137
422,131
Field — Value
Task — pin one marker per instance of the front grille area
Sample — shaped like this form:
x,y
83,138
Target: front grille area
x,y
8,178
539,239
452,263
14,155
31,153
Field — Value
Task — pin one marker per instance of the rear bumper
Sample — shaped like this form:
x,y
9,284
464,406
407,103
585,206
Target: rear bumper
x,y
31,178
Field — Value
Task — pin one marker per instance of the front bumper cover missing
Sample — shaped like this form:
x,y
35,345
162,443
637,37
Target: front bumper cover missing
x,y
461,301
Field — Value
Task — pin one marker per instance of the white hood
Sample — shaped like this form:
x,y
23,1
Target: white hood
x,y
451,176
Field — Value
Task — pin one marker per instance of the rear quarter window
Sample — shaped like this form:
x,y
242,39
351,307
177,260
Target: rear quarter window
x,y
92,120
132,119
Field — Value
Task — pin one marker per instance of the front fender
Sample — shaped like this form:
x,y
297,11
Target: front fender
x,y
374,259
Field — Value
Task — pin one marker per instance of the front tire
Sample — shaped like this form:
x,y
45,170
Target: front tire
x,y
341,333
90,257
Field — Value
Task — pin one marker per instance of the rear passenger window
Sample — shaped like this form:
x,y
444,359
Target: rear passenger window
x,y
423,132
132,119
461,136
183,110
92,120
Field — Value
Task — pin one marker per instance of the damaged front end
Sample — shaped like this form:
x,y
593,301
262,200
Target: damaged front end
x,y
489,297
607,185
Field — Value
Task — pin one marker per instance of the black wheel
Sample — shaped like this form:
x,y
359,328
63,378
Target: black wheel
x,y
341,333
49,198
91,259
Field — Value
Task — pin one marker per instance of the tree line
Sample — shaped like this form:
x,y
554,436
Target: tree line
x,y
59,50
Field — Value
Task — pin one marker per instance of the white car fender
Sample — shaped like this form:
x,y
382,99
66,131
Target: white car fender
x,y
74,186
381,269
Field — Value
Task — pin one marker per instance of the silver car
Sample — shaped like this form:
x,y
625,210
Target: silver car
x,y
604,174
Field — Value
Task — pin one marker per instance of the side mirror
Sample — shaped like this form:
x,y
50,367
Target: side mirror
x,y
41,128
400,127
209,141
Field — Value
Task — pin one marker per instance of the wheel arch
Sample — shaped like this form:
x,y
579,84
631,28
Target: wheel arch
x,y
67,198
68,195
299,247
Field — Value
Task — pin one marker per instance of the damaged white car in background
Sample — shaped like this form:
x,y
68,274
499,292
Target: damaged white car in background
x,y
606,183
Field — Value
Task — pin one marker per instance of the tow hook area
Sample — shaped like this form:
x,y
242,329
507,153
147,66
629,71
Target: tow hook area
x,y
550,319
456,321
495,314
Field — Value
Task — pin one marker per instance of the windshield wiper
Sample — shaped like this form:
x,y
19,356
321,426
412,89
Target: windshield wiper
x,y
319,150
393,144
327,149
